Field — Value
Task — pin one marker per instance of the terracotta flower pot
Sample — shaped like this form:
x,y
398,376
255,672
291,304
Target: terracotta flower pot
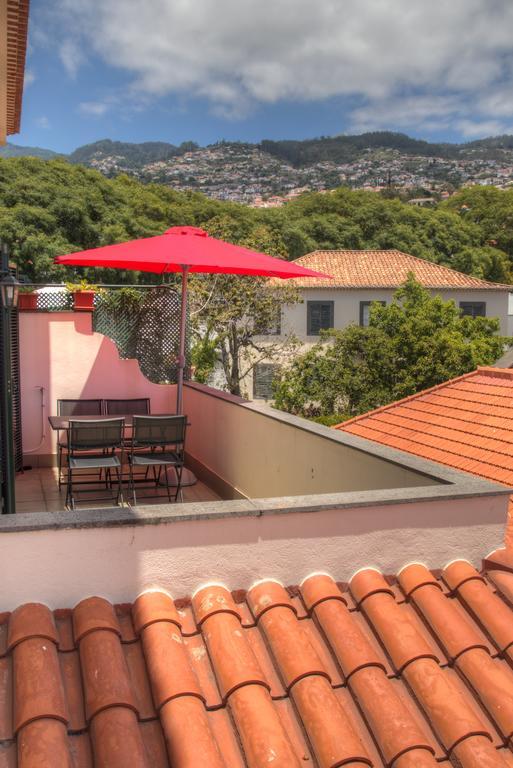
x,y
83,301
27,301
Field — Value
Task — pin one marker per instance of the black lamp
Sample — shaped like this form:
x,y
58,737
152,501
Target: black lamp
x,y
9,288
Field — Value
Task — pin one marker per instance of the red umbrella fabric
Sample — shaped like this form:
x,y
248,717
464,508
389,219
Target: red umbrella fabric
x,y
189,247
185,249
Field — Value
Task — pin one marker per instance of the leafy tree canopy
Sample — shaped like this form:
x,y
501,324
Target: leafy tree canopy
x,y
414,343
53,207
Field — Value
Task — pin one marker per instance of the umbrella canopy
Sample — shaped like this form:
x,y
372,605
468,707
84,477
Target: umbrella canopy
x,y
190,247
185,249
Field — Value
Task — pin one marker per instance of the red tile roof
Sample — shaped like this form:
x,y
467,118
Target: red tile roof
x,y
465,423
17,25
406,672
384,269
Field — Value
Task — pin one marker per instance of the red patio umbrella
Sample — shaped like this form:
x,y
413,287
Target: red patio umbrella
x,y
184,250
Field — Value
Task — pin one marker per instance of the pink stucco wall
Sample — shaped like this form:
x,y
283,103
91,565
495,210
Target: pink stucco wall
x,y
60,353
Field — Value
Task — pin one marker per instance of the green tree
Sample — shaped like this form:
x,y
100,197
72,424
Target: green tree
x,y
415,342
234,316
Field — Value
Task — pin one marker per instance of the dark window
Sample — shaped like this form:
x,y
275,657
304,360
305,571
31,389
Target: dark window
x,y
263,375
319,316
473,308
365,311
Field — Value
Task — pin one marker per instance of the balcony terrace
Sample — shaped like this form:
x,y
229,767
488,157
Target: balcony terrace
x,y
256,467
259,671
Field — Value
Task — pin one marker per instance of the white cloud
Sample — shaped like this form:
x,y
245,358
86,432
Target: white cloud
x,y
452,59
93,108
29,78
43,122
71,56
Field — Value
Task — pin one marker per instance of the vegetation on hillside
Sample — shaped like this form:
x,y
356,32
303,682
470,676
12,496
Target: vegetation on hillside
x,y
53,207
413,343
300,153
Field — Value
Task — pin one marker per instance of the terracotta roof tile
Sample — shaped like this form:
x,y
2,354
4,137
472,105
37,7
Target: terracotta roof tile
x,y
325,677
384,269
465,423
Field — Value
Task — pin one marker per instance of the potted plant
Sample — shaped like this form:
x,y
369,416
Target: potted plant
x,y
83,295
27,298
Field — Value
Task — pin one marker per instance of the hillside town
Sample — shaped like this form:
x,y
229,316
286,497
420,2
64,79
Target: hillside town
x,y
243,173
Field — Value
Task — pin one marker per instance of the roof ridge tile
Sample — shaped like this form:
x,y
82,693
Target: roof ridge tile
x,y
343,697
454,632
266,595
38,690
211,600
168,664
105,673
492,613
93,614
30,620
152,607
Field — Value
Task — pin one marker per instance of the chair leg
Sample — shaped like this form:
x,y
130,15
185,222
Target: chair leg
x,y
179,470
59,462
70,501
119,496
131,483
167,483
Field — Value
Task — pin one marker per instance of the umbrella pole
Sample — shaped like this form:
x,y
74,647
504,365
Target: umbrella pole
x,y
181,351
188,477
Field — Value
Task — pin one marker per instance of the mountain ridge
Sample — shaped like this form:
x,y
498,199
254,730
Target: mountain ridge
x,y
298,152
271,172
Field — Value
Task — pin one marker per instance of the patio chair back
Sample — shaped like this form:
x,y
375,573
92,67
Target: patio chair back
x,y
100,434
67,407
159,431
130,407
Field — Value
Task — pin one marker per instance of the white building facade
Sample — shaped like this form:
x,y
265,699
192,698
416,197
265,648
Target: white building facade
x,y
361,277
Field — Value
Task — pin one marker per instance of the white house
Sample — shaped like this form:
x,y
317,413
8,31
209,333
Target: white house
x,y
361,277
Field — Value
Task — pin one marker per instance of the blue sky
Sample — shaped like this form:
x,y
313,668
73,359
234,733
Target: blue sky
x,y
172,70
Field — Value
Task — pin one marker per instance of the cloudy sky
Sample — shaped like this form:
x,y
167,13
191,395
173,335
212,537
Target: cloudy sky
x,y
172,70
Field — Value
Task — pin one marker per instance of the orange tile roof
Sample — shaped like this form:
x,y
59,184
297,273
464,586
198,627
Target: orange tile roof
x,y
270,677
465,423
17,26
384,269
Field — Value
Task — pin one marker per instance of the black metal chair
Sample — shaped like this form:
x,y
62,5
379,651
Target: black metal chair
x,y
130,407
158,442
127,407
68,407
92,445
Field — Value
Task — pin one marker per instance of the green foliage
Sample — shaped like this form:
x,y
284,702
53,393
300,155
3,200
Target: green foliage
x,y
229,314
204,355
414,343
123,300
52,207
344,149
83,285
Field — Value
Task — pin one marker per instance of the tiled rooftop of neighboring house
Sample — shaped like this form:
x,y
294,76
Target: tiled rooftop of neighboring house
x,y
384,269
17,23
407,672
465,423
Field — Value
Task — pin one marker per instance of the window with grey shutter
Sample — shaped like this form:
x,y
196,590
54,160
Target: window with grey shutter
x,y
263,375
365,311
473,308
319,316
